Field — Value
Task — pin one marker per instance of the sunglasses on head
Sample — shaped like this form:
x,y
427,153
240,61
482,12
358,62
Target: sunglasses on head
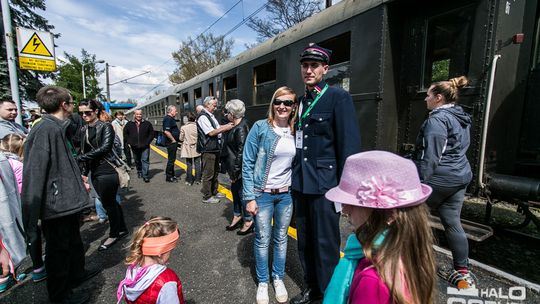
x,y
287,103
87,113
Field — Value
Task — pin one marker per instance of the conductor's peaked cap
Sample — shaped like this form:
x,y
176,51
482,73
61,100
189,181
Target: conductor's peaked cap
x,y
317,53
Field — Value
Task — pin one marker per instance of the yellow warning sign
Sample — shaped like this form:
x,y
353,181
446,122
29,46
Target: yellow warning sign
x,y
29,63
35,46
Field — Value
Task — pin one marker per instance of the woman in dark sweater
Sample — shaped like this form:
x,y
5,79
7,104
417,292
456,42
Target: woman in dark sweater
x,y
97,158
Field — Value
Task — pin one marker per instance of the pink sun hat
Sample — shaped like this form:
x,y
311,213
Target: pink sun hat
x,y
381,180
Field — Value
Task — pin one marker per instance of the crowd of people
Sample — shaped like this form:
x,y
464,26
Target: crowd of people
x,y
302,160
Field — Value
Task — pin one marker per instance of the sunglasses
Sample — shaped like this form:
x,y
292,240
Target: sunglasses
x,y
287,103
87,113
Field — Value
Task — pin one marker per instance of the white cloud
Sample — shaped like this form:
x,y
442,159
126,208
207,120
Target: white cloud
x,y
210,7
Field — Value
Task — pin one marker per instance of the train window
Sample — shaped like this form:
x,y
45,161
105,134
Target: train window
x,y
536,50
264,82
447,45
197,93
230,88
211,89
340,46
185,97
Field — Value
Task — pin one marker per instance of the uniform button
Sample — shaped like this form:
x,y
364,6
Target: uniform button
x,y
305,136
305,148
305,159
320,119
331,166
309,103
307,125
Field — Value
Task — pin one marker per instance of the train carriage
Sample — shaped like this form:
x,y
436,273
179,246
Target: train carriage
x,y
386,53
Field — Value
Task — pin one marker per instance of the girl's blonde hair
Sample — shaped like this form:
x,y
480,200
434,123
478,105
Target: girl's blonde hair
x,y
280,92
156,226
405,259
449,89
13,143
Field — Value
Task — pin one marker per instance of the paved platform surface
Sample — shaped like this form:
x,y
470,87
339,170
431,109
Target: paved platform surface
x,y
217,266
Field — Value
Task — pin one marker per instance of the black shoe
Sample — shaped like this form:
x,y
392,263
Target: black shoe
x,y
139,174
306,297
170,180
87,275
146,179
248,231
235,226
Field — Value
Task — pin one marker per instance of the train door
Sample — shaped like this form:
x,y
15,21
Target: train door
x,y
435,44
529,153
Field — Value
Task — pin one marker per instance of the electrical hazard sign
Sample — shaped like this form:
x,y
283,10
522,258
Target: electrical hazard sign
x,y
36,50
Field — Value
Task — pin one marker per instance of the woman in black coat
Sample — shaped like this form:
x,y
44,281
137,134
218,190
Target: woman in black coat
x,y
97,158
233,149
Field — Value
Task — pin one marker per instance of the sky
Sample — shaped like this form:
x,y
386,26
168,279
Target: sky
x,y
135,36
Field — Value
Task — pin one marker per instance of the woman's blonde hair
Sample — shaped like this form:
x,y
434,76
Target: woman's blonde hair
x,y
156,226
13,143
405,259
280,92
449,89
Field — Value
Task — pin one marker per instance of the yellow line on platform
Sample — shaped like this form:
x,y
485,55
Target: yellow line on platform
x,y
291,231
180,164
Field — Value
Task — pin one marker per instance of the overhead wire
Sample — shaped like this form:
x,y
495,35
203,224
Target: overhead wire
x,y
244,20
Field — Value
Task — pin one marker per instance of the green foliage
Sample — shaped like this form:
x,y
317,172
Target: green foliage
x,y
69,76
440,70
23,14
197,56
283,14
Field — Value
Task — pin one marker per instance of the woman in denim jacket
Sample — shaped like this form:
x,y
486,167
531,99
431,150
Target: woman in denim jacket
x,y
267,160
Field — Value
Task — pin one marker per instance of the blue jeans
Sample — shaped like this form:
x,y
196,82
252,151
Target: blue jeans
x,y
279,207
239,207
142,160
100,211
193,162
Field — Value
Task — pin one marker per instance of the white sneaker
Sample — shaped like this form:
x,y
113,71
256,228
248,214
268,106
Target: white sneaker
x,y
262,294
281,292
220,195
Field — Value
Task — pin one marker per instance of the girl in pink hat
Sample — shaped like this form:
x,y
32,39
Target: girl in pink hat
x,y
389,258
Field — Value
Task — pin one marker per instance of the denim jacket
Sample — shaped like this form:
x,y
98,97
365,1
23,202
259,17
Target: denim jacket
x,y
257,158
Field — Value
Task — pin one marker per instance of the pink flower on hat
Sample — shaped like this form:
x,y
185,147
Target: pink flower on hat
x,y
379,192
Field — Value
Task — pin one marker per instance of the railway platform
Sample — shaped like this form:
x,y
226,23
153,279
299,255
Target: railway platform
x,y
218,266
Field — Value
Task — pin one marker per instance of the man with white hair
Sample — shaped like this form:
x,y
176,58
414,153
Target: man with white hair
x,y
199,108
209,145
139,133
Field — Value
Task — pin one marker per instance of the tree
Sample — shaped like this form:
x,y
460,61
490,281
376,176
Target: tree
x,y
23,14
196,56
283,14
69,76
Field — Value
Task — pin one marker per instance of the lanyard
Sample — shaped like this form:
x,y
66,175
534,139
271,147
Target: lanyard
x,y
308,110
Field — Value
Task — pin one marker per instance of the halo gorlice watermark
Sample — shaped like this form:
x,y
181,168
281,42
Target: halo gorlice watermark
x,y
501,295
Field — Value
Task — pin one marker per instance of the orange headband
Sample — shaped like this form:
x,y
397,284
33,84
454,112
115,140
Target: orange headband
x,y
154,246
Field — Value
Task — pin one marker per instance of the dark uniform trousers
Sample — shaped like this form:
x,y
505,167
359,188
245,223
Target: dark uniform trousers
x,y
318,238
210,171
65,254
329,135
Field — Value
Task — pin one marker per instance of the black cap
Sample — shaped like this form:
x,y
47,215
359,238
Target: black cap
x,y
317,53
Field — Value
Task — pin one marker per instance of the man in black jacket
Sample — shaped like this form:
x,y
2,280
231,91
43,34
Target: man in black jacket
x,y
326,134
54,191
139,133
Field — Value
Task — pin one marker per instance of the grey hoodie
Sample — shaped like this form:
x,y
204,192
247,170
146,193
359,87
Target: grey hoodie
x,y
441,147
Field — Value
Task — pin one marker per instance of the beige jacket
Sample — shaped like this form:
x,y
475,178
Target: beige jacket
x,y
188,140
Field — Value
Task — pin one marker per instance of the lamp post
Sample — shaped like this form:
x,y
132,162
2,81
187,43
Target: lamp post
x,y
83,78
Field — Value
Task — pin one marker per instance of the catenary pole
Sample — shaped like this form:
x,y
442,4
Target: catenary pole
x,y
12,68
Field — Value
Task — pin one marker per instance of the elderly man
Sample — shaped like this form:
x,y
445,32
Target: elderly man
x,y
171,131
8,113
118,124
209,145
326,134
139,133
